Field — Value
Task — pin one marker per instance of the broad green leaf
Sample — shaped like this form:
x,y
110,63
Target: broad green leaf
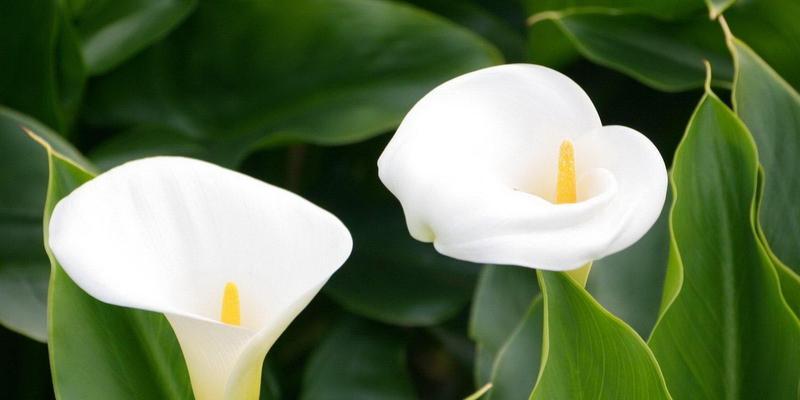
x,y
725,330
113,31
306,81
24,269
770,108
667,55
502,298
99,351
588,352
770,27
509,346
358,360
628,283
39,68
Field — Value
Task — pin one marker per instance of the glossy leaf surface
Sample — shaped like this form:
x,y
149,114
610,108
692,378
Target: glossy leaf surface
x,y
588,352
770,108
311,85
723,316
503,298
667,55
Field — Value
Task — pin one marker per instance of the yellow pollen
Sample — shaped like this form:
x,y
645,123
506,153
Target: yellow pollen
x,y
230,305
566,191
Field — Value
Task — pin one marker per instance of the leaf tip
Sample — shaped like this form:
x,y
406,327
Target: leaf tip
x,y
541,16
36,138
480,392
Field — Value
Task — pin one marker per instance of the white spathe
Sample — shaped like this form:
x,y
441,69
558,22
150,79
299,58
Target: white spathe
x,y
475,161
166,234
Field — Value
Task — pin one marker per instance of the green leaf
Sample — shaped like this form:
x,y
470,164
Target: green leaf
x,y
770,27
358,360
770,108
628,283
667,55
502,299
311,85
40,67
99,351
790,280
113,31
587,352
516,364
725,330
24,269
507,324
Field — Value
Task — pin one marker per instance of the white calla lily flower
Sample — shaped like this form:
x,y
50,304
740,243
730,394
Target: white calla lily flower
x,y
511,165
228,259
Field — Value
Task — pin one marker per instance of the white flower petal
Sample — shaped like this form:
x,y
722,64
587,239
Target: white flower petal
x,y
166,234
474,165
641,177
211,351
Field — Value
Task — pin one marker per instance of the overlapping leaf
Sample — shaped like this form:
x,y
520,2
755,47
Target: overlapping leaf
x,y
587,352
507,352
507,325
665,54
516,364
725,330
233,87
770,27
770,108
